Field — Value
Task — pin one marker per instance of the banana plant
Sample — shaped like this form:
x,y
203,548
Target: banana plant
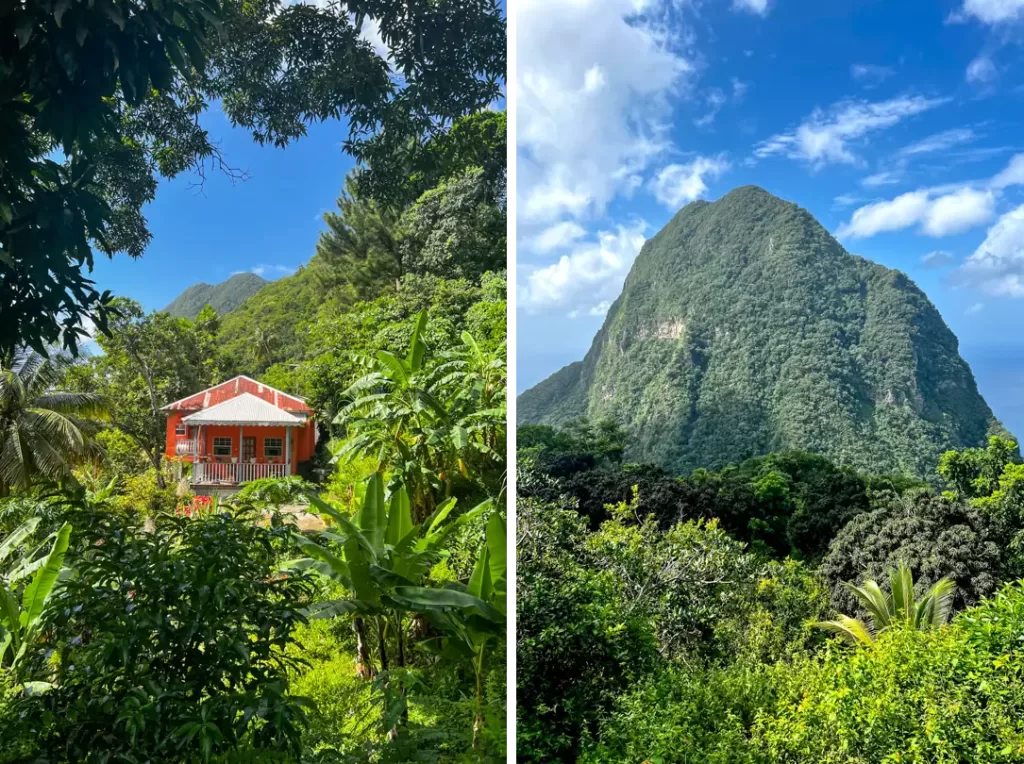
x,y
468,631
381,558
20,617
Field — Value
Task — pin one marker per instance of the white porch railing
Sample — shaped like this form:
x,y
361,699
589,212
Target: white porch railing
x,y
184,446
233,474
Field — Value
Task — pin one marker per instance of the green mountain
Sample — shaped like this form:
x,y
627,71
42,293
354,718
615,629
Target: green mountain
x,y
280,313
223,297
745,328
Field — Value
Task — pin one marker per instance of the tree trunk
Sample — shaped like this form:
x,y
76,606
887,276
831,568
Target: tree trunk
x,y
404,718
156,457
364,667
383,648
478,722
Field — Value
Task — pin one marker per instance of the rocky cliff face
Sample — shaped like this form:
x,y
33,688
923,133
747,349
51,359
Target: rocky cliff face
x,y
744,328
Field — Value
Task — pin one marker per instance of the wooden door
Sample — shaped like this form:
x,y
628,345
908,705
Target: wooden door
x,y
248,449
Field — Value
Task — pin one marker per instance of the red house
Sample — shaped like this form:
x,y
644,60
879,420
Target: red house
x,y
237,431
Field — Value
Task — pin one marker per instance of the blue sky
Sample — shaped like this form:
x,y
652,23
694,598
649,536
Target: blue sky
x,y
268,223
895,123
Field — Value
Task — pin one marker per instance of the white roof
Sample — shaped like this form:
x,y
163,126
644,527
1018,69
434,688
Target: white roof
x,y
245,409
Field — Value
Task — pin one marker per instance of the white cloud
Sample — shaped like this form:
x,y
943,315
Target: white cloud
x,y
592,97
940,258
823,137
739,89
870,75
760,7
938,211
1012,175
261,270
590,275
715,100
975,309
558,236
884,178
846,200
679,184
993,11
943,141
997,265
981,70
933,213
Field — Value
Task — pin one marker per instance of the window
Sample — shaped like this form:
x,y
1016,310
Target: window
x,y
222,446
180,429
273,447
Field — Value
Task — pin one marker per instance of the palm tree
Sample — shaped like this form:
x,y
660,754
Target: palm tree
x,y
43,431
895,609
264,344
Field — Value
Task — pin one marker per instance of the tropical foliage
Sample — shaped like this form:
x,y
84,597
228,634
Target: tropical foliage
x,y
44,431
779,611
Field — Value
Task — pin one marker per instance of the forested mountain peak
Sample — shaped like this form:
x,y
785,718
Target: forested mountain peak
x,y
223,297
744,327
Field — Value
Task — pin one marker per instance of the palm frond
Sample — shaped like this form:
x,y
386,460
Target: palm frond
x,y
853,630
91,405
901,584
875,601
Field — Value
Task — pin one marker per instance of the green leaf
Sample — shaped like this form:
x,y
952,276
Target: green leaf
x,y
334,608
372,517
427,598
417,350
60,9
441,513
36,593
497,546
399,517
363,585
18,535
480,579
339,569
399,370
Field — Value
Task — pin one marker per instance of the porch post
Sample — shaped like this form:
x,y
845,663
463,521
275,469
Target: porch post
x,y
288,451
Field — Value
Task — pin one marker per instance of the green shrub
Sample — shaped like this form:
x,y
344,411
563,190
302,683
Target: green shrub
x,y
909,697
685,715
170,641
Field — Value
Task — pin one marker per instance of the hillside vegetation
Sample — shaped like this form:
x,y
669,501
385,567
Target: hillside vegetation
x,y
223,297
744,328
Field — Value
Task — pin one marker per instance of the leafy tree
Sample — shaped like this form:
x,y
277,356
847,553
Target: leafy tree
x,y
474,141
577,649
974,472
148,361
931,535
262,348
895,609
341,335
44,431
455,230
119,88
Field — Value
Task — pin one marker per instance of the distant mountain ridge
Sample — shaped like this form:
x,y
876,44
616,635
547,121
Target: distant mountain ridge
x,y
223,297
744,327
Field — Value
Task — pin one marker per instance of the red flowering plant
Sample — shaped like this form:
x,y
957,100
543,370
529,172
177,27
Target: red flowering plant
x,y
197,506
